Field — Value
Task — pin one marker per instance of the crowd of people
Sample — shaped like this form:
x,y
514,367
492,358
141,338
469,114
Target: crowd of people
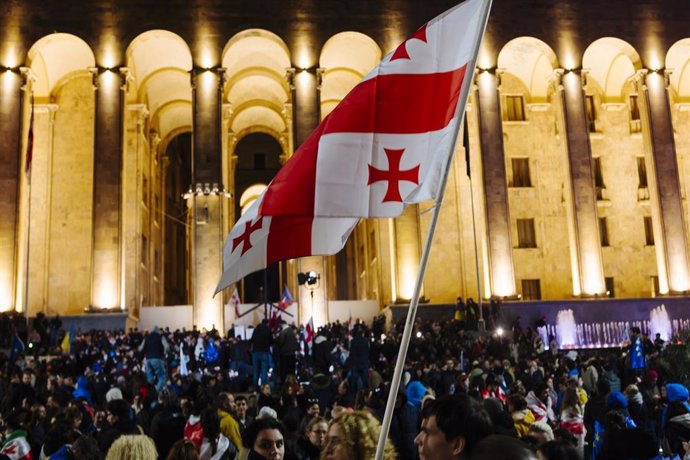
x,y
285,394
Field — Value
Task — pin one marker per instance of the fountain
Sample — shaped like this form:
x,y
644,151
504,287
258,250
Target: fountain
x,y
566,329
660,323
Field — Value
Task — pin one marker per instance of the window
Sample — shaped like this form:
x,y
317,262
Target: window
x,y
259,161
603,232
591,114
531,290
610,289
520,167
144,249
648,231
641,173
526,235
598,178
635,122
514,109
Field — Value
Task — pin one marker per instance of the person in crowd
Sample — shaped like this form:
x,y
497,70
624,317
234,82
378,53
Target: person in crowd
x,y
313,439
264,439
261,350
541,404
354,435
15,444
183,449
558,450
621,441
675,422
636,407
192,429
228,425
595,411
131,447
502,447
155,346
241,413
522,416
572,415
540,432
167,426
500,417
120,423
214,446
359,360
287,349
451,427
86,448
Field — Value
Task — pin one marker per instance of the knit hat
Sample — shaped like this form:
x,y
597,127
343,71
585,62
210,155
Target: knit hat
x,y
616,400
113,393
652,374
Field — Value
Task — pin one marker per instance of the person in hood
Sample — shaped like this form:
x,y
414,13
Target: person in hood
x,y
675,420
214,446
541,404
121,423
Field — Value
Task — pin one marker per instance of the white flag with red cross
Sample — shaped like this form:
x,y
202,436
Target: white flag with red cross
x,y
255,242
235,302
309,333
388,141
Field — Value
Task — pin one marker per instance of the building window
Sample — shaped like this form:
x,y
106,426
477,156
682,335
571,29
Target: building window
x,y
635,122
521,177
591,114
610,289
641,173
603,232
648,231
598,178
531,290
144,250
526,234
514,109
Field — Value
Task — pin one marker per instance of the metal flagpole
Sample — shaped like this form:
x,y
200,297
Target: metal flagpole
x,y
414,302
481,325
25,307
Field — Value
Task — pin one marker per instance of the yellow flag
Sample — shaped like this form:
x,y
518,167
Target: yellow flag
x,y
65,343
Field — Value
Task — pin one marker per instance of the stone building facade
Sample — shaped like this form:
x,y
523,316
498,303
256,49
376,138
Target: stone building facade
x,y
155,123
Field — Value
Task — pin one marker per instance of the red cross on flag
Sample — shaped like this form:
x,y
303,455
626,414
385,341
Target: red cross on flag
x,y
255,242
388,141
309,333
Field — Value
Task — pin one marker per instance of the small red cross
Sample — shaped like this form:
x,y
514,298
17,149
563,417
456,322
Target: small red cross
x,y
393,175
245,238
401,50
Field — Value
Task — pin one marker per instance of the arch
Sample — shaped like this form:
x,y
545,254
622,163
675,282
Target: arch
x,y
352,50
257,87
531,61
678,60
610,62
54,58
154,50
346,57
250,195
255,48
258,116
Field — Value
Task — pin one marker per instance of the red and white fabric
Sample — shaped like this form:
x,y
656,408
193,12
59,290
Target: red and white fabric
x,y
388,141
255,242
16,447
309,333
235,302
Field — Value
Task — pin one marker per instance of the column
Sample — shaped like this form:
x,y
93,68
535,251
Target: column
x,y
204,202
581,205
306,117
500,249
664,184
105,283
11,100
408,250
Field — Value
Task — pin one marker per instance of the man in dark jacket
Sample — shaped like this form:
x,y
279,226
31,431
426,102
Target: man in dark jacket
x,y
261,346
595,410
287,348
322,353
167,426
155,346
121,423
359,361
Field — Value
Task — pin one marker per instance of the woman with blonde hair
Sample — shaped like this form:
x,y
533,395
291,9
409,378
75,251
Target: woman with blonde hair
x,y
354,436
132,447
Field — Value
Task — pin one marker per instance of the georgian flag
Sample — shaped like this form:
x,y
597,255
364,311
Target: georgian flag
x,y
255,242
389,140
309,333
235,302
16,447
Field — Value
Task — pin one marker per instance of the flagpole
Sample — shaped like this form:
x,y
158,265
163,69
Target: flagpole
x,y
414,302
25,307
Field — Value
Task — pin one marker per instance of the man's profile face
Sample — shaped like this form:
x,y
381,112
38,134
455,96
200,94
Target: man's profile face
x,y
432,444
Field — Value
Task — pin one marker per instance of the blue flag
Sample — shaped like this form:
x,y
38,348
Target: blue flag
x,y
637,359
211,354
17,347
598,438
